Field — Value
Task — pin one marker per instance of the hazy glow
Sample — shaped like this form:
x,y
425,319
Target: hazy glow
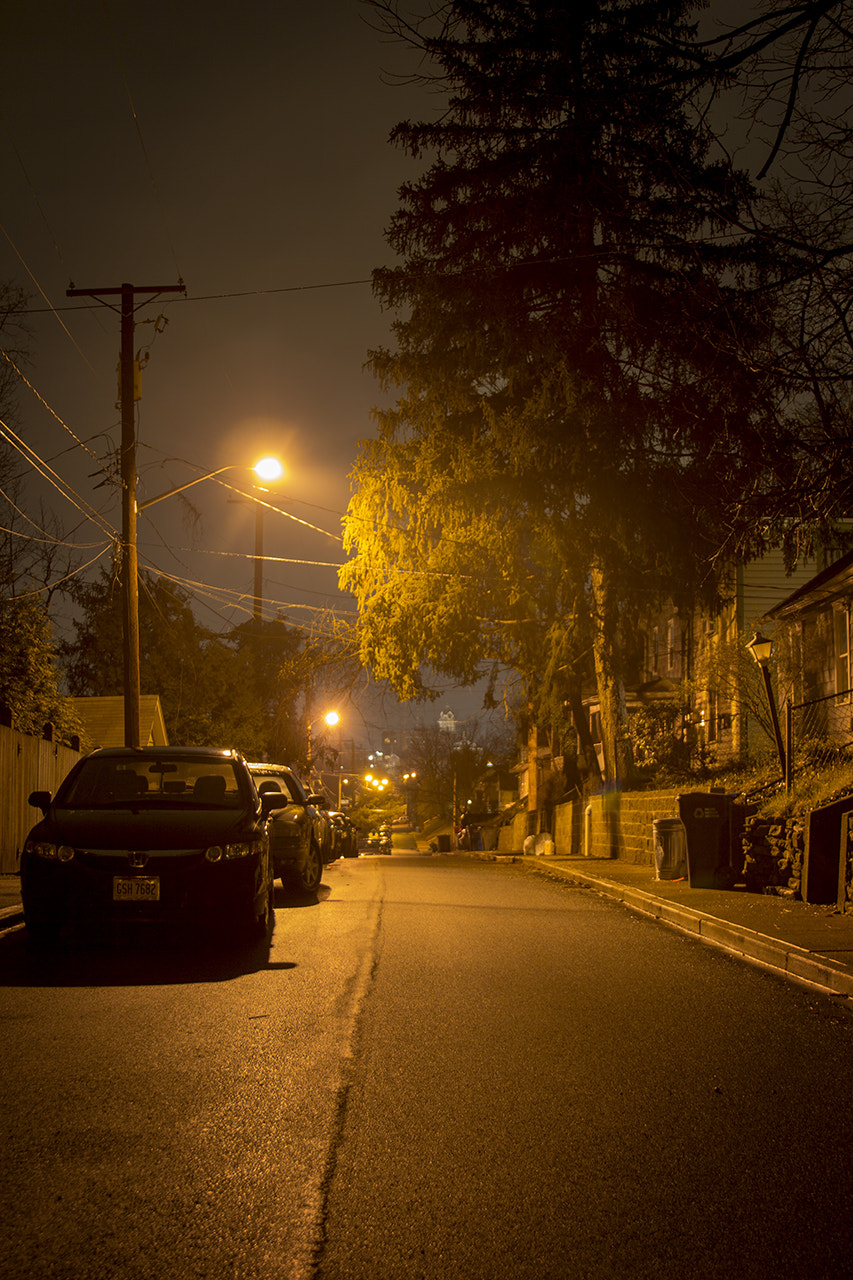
x,y
331,718
268,469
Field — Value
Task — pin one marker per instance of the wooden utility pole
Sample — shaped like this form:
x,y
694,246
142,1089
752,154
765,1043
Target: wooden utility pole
x,y
129,567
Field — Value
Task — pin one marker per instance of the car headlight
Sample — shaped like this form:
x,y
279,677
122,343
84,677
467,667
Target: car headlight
x,y
217,852
45,849
244,850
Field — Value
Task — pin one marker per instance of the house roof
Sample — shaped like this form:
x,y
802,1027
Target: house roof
x,y
832,582
103,719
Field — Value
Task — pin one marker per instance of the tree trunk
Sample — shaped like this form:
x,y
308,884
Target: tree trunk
x,y
616,744
532,765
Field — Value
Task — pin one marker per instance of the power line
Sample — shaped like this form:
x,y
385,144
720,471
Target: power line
x,y
218,297
47,473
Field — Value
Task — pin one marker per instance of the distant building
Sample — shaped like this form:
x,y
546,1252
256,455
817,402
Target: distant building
x,y
448,722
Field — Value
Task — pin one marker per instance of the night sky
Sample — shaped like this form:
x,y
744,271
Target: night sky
x,y
241,148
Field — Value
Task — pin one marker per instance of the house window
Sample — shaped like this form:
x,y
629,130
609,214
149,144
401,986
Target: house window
x,y
670,644
653,652
841,626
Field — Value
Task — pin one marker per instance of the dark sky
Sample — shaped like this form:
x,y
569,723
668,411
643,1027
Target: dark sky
x,y
240,147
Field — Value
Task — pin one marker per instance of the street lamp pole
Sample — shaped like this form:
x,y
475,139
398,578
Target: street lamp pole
x,y
761,648
331,718
259,563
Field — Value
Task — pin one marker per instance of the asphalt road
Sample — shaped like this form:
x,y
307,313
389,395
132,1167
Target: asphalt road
x,y
443,1068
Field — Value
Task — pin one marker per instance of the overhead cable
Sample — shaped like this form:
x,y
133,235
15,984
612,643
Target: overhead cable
x,y
51,476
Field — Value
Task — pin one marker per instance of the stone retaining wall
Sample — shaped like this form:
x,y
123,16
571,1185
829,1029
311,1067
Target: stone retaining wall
x,y
613,825
773,853
809,857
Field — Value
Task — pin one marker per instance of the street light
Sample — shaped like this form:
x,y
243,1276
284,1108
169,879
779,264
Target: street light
x,y
331,718
761,648
266,469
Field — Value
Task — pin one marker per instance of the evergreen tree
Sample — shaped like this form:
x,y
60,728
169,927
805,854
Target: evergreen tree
x,y
29,674
225,691
574,355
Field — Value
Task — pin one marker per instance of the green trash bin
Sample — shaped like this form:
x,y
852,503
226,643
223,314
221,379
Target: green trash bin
x,y
707,818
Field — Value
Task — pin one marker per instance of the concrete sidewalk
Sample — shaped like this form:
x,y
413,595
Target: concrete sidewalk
x,y
805,942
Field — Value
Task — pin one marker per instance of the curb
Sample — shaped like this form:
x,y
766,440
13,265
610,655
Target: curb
x,y
782,957
10,916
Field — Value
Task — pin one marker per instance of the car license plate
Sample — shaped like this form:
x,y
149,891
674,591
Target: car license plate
x,y
136,888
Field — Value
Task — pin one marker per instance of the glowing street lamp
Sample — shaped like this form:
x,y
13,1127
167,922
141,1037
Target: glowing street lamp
x,y
331,718
269,470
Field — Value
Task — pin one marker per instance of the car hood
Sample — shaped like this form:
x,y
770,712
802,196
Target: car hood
x,y
146,829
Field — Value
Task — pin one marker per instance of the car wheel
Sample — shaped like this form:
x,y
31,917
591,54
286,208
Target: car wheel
x,y
312,873
258,924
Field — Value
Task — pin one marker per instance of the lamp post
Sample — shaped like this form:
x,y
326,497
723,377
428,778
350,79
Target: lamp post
x,y
410,785
331,718
761,648
266,469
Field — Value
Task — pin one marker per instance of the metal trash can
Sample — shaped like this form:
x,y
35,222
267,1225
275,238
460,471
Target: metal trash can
x,y
444,844
670,842
707,817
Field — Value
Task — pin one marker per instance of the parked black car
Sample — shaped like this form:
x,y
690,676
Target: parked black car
x,y
294,823
378,841
167,834
324,828
345,843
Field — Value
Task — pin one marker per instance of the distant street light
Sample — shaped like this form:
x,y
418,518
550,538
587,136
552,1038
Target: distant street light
x,y
761,648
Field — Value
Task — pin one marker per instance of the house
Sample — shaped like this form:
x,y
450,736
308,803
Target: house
x,y
814,628
495,790
812,658
103,721
689,667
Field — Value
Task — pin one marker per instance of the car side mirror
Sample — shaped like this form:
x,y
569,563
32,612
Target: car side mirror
x,y
273,800
40,800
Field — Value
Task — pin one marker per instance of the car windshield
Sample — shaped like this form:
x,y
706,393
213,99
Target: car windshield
x,y
171,782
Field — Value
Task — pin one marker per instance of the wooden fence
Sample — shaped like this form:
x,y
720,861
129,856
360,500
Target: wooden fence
x,y
26,764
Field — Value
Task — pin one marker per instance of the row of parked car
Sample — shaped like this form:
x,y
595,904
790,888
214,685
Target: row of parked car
x,y
175,834
305,834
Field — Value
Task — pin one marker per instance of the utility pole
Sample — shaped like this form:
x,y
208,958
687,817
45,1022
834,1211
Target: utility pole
x,y
129,568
